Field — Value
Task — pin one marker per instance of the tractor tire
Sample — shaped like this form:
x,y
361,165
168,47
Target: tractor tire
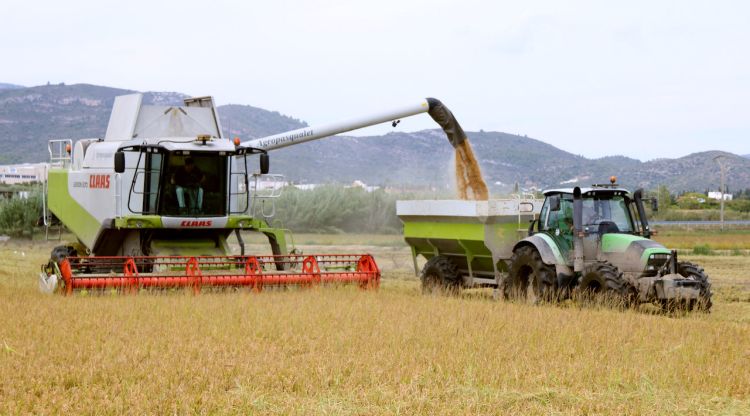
x,y
440,276
529,278
695,272
603,282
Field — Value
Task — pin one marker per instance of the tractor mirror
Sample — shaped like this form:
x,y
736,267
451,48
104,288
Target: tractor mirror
x,y
655,205
554,203
119,162
265,163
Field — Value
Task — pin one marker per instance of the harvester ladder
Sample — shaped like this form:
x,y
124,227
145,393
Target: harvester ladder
x,y
263,192
524,198
59,157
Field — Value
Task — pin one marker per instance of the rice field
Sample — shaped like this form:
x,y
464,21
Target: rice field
x,y
346,351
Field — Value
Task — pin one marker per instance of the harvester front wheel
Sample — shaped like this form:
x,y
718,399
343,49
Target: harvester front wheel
x,y
695,272
440,275
529,278
603,281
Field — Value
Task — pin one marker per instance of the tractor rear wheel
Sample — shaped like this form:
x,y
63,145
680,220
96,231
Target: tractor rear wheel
x,y
529,278
440,275
695,272
604,282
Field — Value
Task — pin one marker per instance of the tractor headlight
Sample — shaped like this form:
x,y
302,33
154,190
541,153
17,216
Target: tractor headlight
x,y
655,261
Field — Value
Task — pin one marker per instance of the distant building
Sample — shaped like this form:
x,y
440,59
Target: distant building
x,y
359,184
24,173
718,196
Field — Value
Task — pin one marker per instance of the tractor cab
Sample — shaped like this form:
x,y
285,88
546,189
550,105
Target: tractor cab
x,y
604,221
603,211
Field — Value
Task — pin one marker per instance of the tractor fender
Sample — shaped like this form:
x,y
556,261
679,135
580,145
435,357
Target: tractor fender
x,y
546,247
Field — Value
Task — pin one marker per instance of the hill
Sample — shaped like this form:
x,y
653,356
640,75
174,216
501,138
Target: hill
x,y
6,86
30,116
426,159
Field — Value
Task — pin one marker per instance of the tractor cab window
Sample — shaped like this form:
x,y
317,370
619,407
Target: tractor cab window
x,y
562,218
194,185
607,212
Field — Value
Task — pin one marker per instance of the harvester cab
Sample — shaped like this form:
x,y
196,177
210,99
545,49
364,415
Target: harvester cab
x,y
162,181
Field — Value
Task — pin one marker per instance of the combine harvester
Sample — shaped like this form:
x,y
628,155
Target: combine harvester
x,y
153,203
580,242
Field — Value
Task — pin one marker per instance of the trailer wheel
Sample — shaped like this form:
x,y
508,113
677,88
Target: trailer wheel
x,y
604,282
440,275
695,272
529,278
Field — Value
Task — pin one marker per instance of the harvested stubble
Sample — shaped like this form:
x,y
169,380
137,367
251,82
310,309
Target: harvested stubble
x,y
345,351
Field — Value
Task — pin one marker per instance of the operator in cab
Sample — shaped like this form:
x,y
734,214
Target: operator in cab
x,y
188,180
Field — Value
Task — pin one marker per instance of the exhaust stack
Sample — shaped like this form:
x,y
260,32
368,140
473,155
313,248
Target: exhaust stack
x,y
577,230
638,198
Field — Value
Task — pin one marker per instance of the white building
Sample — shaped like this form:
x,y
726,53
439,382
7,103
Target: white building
x,y
718,196
24,173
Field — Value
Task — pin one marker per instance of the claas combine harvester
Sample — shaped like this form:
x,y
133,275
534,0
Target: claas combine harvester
x,y
153,203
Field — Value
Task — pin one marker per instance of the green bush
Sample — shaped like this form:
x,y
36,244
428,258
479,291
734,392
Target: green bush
x,y
18,217
703,250
337,209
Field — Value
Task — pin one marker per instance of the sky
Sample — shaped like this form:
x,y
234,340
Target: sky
x,y
645,79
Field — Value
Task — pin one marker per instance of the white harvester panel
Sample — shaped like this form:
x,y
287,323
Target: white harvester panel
x,y
130,119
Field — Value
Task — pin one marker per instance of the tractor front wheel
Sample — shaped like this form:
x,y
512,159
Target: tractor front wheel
x,y
440,276
604,282
529,278
695,272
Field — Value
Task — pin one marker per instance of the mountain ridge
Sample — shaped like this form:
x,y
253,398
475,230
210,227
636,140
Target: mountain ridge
x,y
29,116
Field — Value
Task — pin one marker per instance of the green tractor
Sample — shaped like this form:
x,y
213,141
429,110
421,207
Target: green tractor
x,y
597,240
582,243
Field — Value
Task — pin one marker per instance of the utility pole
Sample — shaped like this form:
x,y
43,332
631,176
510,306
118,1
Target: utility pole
x,y
720,161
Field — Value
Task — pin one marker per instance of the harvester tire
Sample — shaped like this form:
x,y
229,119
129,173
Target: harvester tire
x,y
527,268
440,275
603,281
695,272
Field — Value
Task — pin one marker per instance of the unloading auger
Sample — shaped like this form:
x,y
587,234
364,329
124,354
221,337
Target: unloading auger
x,y
153,202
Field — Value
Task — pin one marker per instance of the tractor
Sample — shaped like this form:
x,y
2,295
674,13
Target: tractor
x,y
597,240
582,243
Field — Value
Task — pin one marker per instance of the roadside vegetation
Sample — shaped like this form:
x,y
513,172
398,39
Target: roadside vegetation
x,y
695,206
19,216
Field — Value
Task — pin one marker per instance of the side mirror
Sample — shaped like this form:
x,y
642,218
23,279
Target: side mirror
x,y
655,205
554,203
265,163
119,162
